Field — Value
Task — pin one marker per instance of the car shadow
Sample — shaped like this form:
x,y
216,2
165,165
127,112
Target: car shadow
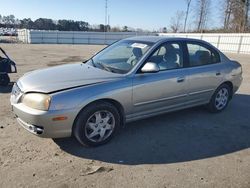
x,y
6,89
181,136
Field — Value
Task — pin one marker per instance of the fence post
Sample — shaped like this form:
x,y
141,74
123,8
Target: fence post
x,y
105,38
42,37
28,36
25,36
218,42
240,43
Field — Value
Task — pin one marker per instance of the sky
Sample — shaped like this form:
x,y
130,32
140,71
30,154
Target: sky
x,y
145,14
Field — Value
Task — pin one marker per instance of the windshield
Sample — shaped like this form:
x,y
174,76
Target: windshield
x,y
120,57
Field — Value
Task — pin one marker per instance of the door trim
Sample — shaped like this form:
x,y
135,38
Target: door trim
x,y
199,92
160,100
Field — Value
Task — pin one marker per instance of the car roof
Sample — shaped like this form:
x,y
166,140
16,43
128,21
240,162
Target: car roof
x,y
153,39
156,39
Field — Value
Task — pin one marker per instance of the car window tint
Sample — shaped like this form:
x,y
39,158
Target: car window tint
x,y
200,55
124,51
161,51
168,56
118,53
121,56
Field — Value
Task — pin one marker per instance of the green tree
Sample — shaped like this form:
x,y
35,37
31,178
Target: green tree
x,y
83,26
164,30
26,23
101,27
125,29
44,24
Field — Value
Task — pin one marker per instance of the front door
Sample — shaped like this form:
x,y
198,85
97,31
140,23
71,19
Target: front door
x,y
166,89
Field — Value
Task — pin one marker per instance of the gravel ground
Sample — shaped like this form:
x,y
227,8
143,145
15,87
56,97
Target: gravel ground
x,y
189,148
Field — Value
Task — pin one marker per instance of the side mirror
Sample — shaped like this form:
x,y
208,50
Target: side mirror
x,y
150,67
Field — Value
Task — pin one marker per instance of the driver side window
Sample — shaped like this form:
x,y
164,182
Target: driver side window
x,y
168,56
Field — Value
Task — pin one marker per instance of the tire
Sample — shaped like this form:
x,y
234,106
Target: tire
x,y
220,99
4,79
100,119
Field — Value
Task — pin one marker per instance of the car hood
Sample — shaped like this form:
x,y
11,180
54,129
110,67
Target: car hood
x,y
64,77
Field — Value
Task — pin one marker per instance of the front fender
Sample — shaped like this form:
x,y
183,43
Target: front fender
x,y
77,98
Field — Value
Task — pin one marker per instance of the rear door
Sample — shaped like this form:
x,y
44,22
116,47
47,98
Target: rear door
x,y
204,71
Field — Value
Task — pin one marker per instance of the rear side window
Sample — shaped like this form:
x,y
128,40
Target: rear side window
x,y
201,55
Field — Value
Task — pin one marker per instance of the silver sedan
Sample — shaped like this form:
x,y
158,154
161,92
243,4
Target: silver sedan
x,y
131,79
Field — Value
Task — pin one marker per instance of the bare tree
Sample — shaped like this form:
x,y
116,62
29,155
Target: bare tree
x,y
227,13
238,21
176,22
236,17
246,11
187,13
202,12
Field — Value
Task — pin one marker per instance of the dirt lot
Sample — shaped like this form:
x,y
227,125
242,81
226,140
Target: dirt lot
x,y
189,148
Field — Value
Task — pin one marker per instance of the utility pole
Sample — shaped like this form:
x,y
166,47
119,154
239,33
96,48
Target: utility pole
x,y
106,12
187,12
108,23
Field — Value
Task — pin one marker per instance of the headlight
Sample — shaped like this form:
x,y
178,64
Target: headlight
x,y
37,101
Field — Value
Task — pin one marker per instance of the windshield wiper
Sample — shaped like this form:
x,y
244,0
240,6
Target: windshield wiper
x,y
92,62
106,67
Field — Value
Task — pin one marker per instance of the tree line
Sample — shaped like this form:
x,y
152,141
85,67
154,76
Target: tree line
x,y
62,25
233,16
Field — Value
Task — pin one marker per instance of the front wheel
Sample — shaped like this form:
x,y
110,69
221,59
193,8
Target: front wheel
x,y
97,124
220,99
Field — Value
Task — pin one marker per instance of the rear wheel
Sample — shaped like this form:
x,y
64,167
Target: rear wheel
x,y
4,79
97,124
220,99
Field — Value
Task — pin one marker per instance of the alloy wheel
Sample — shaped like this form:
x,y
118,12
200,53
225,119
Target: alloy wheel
x,y
221,98
100,126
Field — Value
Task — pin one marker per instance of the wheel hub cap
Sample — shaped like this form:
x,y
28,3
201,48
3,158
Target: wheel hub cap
x,y
100,126
221,98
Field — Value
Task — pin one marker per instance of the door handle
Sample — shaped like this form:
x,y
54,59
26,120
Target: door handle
x,y
218,73
181,79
